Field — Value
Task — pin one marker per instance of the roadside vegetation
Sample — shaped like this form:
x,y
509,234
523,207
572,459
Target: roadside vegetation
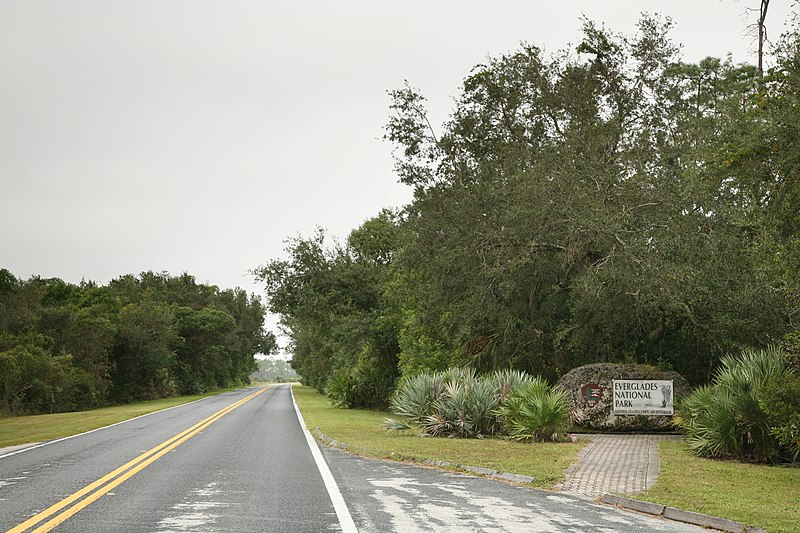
x,y
762,495
609,203
37,428
461,403
363,430
67,347
750,412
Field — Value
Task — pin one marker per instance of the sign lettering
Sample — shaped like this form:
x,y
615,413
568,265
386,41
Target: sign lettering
x,y
642,397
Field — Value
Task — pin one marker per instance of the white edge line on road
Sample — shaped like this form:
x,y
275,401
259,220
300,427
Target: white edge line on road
x,y
342,513
47,443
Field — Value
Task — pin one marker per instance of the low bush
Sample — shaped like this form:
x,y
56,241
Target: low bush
x,y
366,384
536,411
459,403
454,403
727,420
340,390
465,409
780,400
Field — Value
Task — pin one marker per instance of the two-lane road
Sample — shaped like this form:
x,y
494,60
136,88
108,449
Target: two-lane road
x,y
213,465
241,462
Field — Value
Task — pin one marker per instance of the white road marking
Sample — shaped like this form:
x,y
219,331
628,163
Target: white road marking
x,y
345,520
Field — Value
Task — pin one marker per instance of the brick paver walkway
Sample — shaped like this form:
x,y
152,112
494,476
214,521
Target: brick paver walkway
x,y
615,464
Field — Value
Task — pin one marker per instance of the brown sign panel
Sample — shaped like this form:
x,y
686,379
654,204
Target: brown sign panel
x,y
591,393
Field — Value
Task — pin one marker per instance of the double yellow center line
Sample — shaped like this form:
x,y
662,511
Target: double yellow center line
x,y
105,484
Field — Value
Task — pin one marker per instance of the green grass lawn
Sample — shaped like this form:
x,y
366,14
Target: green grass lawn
x,y
758,495
363,430
25,429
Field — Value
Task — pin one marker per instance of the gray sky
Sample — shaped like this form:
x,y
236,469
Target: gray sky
x,y
198,135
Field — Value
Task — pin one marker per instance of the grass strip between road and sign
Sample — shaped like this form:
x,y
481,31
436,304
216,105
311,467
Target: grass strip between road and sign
x,y
757,495
363,431
38,428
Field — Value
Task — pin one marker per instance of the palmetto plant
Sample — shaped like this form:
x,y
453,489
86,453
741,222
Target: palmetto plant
x,y
535,411
459,403
724,419
454,403
338,389
466,409
414,397
508,380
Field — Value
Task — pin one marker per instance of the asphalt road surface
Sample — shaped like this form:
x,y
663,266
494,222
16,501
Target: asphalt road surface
x,y
241,462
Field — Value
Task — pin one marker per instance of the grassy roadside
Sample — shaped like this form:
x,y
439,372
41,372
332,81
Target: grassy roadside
x,y
37,428
757,495
363,430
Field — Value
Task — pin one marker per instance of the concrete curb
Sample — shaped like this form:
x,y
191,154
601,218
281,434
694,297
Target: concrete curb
x,y
507,476
634,505
671,513
326,440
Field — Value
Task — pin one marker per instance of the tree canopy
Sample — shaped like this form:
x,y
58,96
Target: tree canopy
x,y
613,204
69,347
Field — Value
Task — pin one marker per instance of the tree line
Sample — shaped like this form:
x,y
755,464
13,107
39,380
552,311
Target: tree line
x,y
66,347
612,203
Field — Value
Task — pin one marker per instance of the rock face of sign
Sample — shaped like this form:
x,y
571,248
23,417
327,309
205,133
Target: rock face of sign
x,y
592,396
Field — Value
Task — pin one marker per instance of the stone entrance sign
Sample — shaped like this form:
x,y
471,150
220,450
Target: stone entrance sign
x,y
642,397
620,397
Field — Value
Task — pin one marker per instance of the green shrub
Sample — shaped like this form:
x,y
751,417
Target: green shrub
x,y
508,380
535,411
454,403
366,384
725,419
414,398
780,400
459,403
465,409
340,390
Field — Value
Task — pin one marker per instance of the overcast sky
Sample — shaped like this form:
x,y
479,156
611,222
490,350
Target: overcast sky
x,y
198,135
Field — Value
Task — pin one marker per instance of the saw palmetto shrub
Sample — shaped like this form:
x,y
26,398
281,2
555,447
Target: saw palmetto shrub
x,y
536,411
507,380
459,403
340,390
725,419
456,403
414,397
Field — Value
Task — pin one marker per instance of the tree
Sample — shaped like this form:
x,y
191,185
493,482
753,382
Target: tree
x,y
760,29
202,358
572,211
70,347
331,303
144,352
